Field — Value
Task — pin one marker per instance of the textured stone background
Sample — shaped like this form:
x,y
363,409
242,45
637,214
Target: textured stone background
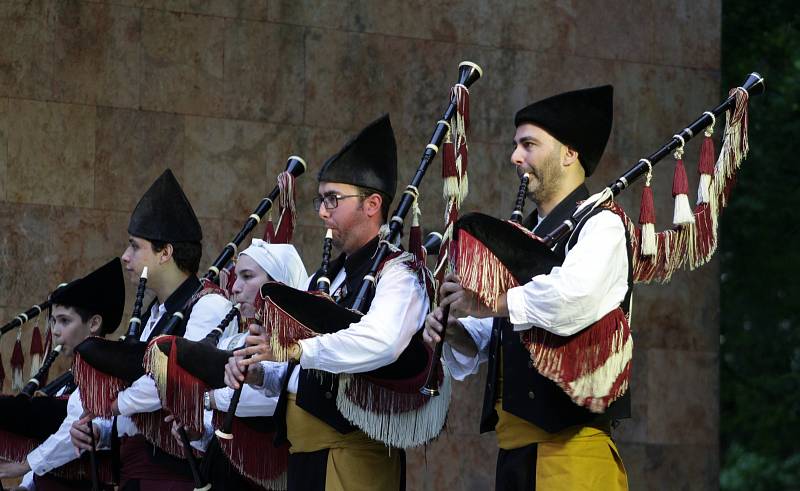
x,y
97,98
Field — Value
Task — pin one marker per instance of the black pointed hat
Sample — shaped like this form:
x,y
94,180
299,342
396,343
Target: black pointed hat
x,y
100,292
580,119
369,160
165,214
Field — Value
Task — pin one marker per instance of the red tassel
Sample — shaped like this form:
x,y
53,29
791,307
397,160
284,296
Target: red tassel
x,y
48,341
17,364
285,231
231,279
647,212
36,341
2,374
680,183
415,242
269,231
448,160
707,153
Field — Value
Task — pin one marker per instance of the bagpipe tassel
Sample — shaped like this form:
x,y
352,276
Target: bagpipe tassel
x,y
415,234
36,351
647,219
269,231
684,214
2,374
285,229
706,237
449,170
17,363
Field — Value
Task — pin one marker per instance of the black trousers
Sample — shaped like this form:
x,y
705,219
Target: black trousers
x,y
516,469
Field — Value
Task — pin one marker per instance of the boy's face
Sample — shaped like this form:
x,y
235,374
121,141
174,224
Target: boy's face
x,y
69,329
137,255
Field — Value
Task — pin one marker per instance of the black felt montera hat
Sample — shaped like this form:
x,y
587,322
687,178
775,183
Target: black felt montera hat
x,y
369,160
100,292
165,214
580,119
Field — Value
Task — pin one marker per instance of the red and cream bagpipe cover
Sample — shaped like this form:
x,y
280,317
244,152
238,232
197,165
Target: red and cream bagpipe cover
x,y
593,366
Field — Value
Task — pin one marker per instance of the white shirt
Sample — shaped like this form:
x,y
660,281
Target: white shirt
x,y
592,281
396,313
57,450
252,402
142,396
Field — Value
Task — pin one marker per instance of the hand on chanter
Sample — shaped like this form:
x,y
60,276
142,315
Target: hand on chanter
x,y
455,335
175,429
82,431
464,303
237,373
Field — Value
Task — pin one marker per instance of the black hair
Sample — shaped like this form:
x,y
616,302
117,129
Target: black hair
x,y
185,254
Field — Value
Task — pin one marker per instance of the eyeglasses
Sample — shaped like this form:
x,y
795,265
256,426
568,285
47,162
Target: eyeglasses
x,y
331,201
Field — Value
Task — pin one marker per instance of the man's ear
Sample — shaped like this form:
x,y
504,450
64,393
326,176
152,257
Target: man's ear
x,y
165,254
95,325
570,156
372,204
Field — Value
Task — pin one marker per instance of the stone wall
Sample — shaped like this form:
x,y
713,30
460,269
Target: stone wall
x,y
97,98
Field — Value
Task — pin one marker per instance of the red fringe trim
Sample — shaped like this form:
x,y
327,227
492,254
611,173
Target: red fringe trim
x,y
159,433
253,454
705,239
283,329
81,470
582,364
183,394
449,159
98,389
15,448
481,271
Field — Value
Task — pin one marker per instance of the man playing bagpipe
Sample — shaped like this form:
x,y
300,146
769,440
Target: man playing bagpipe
x,y
569,318
328,449
165,237
88,306
250,457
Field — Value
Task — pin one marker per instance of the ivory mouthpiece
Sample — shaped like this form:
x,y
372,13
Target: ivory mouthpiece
x,y
57,349
144,273
329,234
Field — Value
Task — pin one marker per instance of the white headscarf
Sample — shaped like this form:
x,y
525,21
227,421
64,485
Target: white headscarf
x,y
280,261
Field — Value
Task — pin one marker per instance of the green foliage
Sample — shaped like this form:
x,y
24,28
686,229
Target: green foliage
x,y
760,266
748,471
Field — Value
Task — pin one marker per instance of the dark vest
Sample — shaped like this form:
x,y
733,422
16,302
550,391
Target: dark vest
x,y
316,390
526,393
179,299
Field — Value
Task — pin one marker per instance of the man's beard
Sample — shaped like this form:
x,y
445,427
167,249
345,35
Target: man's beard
x,y
548,176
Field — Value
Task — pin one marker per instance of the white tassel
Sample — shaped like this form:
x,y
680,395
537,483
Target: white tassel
x,y
683,211
649,241
704,189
